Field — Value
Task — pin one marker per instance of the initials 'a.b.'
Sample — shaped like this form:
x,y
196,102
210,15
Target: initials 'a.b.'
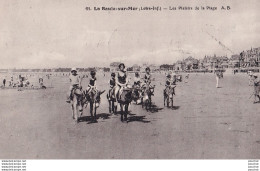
x,y
225,8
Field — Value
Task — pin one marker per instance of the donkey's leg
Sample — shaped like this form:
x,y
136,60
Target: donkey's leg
x,y
113,106
164,99
150,102
122,111
126,112
81,105
75,110
95,111
147,104
72,109
172,100
109,107
80,110
91,110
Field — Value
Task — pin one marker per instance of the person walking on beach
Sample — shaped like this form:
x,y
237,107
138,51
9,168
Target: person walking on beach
x,y
250,74
256,87
219,75
187,78
4,81
11,81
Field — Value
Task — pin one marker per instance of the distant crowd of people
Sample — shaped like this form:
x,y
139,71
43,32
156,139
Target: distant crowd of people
x,y
20,81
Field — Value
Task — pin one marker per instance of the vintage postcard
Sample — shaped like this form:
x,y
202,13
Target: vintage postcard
x,y
128,79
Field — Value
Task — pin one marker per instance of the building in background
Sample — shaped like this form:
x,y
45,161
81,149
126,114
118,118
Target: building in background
x,y
114,66
166,67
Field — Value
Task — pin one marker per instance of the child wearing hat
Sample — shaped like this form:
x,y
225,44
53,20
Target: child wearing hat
x,y
75,82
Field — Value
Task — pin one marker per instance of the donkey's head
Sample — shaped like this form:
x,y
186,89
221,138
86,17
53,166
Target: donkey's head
x,y
126,96
97,96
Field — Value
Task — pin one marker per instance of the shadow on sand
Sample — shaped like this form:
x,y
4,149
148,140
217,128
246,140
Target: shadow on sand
x,y
154,109
174,107
89,119
133,118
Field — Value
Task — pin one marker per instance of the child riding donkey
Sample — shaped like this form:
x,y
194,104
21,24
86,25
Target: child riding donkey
x,y
148,90
122,91
111,93
137,92
147,80
137,80
121,80
75,84
112,84
92,83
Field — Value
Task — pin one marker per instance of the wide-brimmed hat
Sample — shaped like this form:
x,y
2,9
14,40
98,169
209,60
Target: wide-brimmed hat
x,y
74,69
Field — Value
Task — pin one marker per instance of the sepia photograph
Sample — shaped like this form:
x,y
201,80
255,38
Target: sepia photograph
x,y
113,79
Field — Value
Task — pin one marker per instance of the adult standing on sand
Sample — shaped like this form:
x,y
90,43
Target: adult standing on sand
x,y
41,81
4,81
256,87
250,73
219,75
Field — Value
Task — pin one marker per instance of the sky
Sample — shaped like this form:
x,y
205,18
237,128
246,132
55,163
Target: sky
x,y
61,33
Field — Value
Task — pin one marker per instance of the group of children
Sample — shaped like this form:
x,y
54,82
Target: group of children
x,y
75,82
117,82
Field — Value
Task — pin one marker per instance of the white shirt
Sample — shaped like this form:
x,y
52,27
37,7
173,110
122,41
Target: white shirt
x,y
75,79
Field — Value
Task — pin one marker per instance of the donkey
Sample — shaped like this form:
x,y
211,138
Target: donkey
x,y
77,103
137,94
168,95
124,100
147,96
94,99
111,100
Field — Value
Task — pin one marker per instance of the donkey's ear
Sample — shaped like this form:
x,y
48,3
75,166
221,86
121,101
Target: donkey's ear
x,y
102,92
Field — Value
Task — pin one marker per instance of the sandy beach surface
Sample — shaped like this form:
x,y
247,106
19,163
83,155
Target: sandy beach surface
x,y
205,123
